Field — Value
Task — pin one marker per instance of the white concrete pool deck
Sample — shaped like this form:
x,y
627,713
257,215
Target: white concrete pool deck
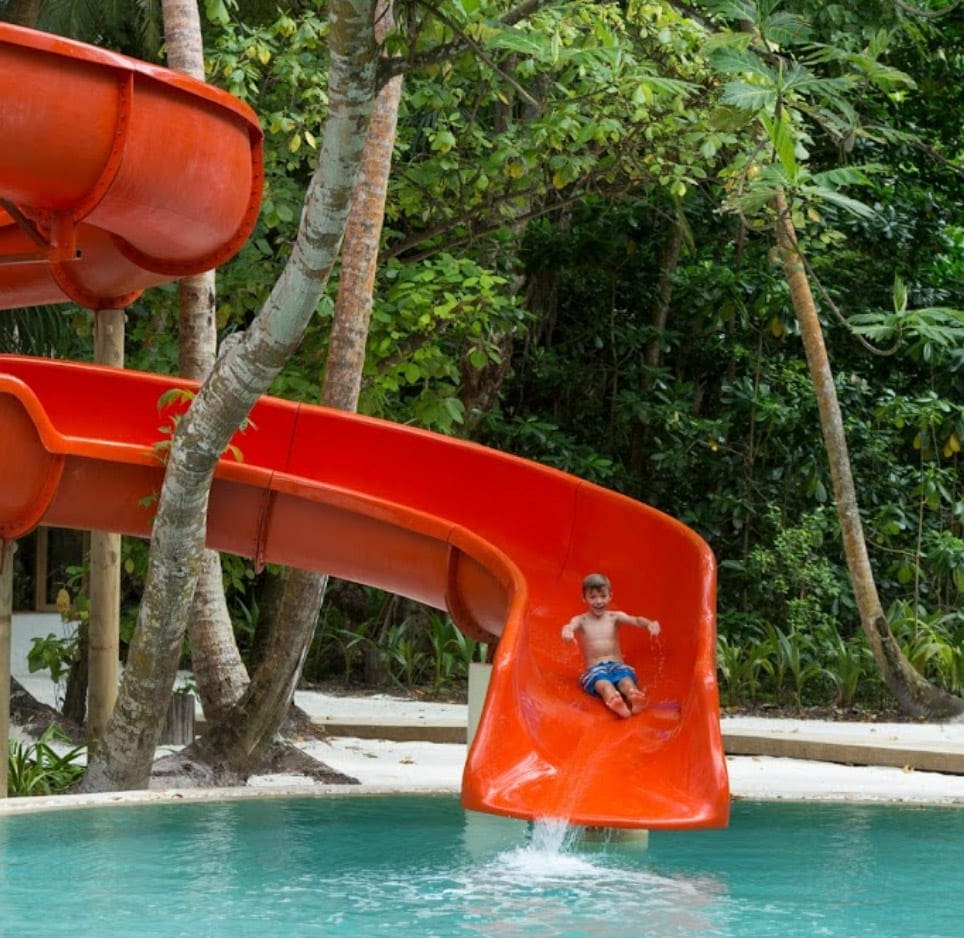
x,y
382,762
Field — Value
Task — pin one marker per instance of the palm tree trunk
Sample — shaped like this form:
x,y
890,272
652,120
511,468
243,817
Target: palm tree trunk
x,y
7,550
218,669
916,696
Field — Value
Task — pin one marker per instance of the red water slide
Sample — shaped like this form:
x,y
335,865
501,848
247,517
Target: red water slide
x,y
115,175
499,542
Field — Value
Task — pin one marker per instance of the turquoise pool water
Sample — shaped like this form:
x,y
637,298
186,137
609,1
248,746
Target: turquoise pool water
x,y
419,866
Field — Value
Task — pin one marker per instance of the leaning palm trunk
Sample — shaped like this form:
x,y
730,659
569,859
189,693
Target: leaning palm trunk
x,y
239,377
915,696
219,672
240,742
218,669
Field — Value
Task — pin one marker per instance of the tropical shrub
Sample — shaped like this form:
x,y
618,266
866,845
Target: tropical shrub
x,y
40,769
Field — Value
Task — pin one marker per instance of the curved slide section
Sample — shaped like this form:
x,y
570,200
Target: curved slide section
x,y
499,542
115,175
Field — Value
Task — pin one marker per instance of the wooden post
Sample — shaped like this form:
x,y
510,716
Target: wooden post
x,y
7,550
105,551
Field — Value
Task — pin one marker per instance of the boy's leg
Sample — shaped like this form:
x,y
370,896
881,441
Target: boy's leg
x,y
612,698
635,697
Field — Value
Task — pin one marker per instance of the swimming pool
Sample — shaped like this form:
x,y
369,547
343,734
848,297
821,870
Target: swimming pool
x,y
421,866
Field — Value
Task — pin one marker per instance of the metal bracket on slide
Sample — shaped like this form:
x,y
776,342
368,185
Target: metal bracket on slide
x,y
56,241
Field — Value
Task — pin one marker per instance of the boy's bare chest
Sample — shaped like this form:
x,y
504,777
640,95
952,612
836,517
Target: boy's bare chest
x,y
599,627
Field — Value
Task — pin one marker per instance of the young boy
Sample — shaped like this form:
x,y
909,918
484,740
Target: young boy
x,y
606,675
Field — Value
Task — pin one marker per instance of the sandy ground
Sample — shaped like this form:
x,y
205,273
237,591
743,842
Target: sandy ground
x,y
382,765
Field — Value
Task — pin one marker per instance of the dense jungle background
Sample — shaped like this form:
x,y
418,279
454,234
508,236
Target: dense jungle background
x,y
576,267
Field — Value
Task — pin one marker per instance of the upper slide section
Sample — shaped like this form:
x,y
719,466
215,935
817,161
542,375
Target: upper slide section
x,y
500,542
115,175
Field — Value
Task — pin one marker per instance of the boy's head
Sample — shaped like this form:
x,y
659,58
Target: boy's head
x,y
596,581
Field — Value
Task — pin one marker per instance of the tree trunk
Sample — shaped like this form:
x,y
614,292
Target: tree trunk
x,y
74,707
103,632
353,306
248,736
915,696
218,669
241,742
182,37
7,550
239,377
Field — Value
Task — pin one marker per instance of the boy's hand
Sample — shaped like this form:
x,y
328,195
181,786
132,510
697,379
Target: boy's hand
x,y
653,627
568,632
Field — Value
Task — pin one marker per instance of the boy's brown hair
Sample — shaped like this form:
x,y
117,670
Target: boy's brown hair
x,y
595,581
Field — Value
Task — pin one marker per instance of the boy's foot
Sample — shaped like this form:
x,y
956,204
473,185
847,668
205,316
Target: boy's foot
x,y
618,705
637,700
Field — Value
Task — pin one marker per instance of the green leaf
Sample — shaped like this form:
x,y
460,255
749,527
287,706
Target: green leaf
x,y
853,206
217,12
443,141
748,97
729,61
513,40
781,138
175,396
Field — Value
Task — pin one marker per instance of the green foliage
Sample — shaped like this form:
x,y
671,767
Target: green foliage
x,y
133,28
433,654
54,654
39,769
742,665
932,642
929,334
46,331
796,584
422,649
850,666
432,320
279,68
796,662
793,667
556,104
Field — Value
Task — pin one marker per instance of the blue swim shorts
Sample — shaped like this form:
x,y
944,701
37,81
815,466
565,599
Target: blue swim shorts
x,y
613,671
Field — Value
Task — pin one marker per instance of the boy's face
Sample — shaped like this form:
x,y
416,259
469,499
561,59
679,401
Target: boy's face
x,y
597,598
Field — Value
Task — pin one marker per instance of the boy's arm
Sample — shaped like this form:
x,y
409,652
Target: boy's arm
x,y
640,622
569,629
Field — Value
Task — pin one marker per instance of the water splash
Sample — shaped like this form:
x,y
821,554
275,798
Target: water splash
x,y
552,835
549,853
